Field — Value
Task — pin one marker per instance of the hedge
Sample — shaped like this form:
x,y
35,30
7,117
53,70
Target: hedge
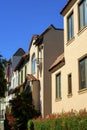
x,y
72,122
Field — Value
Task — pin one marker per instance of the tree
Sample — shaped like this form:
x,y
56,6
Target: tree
x,y
3,83
23,109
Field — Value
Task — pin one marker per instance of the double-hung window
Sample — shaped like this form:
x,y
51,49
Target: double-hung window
x,y
25,71
19,79
58,86
33,64
82,14
70,26
83,73
69,84
22,76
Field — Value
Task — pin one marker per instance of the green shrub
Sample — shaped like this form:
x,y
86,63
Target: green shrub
x,y
30,125
68,121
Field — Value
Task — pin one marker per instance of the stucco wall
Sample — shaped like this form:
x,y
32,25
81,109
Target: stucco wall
x,y
53,47
73,50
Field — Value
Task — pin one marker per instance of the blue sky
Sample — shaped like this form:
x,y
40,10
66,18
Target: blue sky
x,y
20,19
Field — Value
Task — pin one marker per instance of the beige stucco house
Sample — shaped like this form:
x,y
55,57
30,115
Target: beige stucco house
x,y
69,71
43,50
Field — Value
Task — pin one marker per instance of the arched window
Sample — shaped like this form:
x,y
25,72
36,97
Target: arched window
x,y
33,64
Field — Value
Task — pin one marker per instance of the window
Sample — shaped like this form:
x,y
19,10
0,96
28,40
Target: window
x,y
13,83
83,73
69,84
58,86
22,76
33,64
70,26
82,14
18,79
25,71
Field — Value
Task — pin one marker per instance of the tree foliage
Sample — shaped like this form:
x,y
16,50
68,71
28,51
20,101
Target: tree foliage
x,y
23,109
3,84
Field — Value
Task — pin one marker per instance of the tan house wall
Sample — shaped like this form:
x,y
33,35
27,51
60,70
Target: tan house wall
x,y
39,76
44,48
73,51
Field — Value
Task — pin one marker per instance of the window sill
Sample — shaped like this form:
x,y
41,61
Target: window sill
x,y
58,99
69,95
70,41
82,30
82,91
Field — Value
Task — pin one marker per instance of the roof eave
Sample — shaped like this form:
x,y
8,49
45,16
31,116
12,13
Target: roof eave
x,y
68,6
62,61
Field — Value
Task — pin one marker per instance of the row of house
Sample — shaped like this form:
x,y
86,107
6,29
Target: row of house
x,y
54,68
31,69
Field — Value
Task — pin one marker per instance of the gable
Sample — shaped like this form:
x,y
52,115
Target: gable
x,y
19,52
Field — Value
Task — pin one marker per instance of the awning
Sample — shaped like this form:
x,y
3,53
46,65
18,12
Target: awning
x,y
10,91
17,88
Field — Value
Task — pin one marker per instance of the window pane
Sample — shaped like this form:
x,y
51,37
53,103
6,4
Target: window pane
x,y
58,86
33,64
85,12
18,79
82,14
22,76
83,73
25,71
70,27
86,71
69,84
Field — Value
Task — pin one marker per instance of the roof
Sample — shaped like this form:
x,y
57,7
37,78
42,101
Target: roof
x,y
64,11
30,77
34,37
19,52
40,37
59,60
21,61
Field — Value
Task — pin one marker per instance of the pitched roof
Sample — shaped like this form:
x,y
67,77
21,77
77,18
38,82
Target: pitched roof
x,y
30,77
19,52
21,60
40,37
57,61
34,37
